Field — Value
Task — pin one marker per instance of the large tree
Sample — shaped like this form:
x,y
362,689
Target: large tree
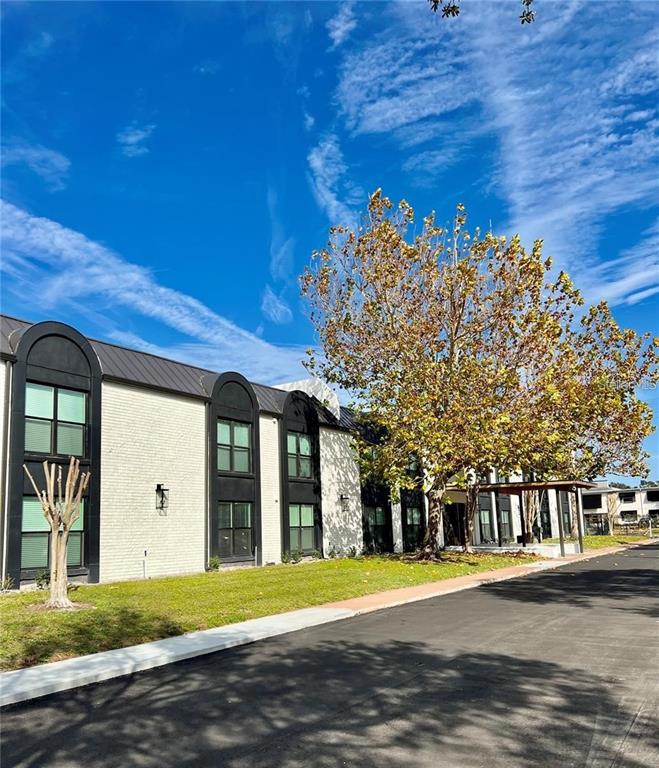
x,y
463,349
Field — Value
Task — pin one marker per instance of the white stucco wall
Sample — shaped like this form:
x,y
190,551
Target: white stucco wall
x,y
339,472
270,490
4,376
148,438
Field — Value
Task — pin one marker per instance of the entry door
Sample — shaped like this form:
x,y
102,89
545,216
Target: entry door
x,y
378,538
413,528
545,517
453,517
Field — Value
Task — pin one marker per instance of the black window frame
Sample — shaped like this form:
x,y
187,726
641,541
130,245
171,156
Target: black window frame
x,y
378,532
218,533
482,508
233,447
297,456
627,497
299,527
77,533
55,422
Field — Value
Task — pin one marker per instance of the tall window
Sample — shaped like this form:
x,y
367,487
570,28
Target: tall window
x,y
233,446
485,518
299,455
301,527
376,520
35,540
413,527
55,420
565,512
627,497
505,518
234,534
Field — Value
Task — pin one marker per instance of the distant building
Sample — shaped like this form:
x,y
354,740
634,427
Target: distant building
x,y
633,505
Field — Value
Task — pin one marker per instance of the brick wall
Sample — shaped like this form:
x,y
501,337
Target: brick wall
x,y
148,438
270,490
339,472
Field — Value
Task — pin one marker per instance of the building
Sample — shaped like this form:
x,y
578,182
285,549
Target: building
x,y
632,506
188,464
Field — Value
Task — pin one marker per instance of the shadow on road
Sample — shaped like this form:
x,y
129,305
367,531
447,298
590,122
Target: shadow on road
x,y
625,588
300,702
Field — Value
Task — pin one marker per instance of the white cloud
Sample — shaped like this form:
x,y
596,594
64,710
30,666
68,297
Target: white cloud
x,y
275,308
72,275
335,194
132,139
51,166
282,248
341,26
565,104
309,121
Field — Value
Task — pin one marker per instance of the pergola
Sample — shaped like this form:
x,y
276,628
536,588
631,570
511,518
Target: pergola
x,y
517,488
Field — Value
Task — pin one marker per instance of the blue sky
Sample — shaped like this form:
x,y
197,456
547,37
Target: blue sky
x,y
168,168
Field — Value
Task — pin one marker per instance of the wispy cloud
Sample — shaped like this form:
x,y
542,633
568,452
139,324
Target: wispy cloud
x,y
69,272
309,121
333,190
51,166
132,139
571,110
282,247
275,308
208,67
340,27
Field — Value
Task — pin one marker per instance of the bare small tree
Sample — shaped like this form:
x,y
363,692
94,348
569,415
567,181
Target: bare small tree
x,y
61,512
531,504
612,510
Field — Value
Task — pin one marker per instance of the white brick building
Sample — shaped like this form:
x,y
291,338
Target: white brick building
x,y
188,465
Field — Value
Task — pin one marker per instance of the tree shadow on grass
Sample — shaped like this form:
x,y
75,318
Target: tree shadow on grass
x,y
88,631
627,589
305,701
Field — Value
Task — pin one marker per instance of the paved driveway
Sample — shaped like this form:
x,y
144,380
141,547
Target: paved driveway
x,y
557,669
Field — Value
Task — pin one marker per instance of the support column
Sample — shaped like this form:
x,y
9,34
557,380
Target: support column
x,y
495,518
561,534
580,520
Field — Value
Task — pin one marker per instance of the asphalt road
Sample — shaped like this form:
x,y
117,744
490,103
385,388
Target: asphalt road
x,y
558,669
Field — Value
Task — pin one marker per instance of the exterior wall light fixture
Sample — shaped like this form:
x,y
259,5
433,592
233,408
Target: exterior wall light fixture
x,y
344,499
162,497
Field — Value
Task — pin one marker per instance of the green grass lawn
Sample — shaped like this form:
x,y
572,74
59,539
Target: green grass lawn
x,y
599,542
131,612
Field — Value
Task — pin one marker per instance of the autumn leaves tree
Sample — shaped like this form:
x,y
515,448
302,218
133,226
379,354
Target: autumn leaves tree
x,y
61,508
469,355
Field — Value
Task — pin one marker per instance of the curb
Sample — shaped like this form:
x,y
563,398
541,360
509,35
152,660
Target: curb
x,y
45,679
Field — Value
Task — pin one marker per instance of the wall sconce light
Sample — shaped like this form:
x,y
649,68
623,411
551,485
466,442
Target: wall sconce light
x,y
344,499
162,497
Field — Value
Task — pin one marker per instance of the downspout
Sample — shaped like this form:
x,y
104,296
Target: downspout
x,y
5,465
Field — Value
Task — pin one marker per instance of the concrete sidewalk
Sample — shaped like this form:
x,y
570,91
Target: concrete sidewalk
x,y
33,682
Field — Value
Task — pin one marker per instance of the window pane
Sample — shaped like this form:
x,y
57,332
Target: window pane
x,y
370,515
224,517
292,442
305,466
71,406
80,522
225,543
295,539
223,433
34,550
294,514
74,550
380,516
37,436
70,439
307,539
242,542
33,519
292,466
242,515
306,514
224,459
39,401
241,460
241,435
305,445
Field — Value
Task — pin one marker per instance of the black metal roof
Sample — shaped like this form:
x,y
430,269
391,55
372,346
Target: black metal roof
x,y
143,368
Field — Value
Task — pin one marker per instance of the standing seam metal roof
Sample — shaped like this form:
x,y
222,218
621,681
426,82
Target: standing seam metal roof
x,y
143,368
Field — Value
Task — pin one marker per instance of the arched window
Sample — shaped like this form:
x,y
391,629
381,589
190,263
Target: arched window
x,y
234,525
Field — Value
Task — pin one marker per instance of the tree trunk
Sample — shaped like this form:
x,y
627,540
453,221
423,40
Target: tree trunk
x,y
429,550
59,597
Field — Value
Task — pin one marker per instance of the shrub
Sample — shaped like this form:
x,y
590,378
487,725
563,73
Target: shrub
x,y
42,579
7,584
214,563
